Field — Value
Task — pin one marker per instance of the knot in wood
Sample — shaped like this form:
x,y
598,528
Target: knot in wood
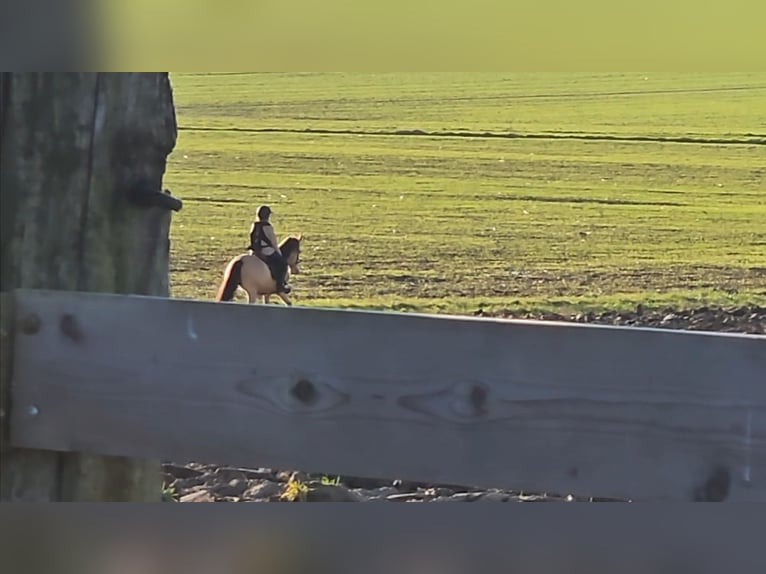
x,y
305,392
471,401
716,488
30,324
478,398
70,328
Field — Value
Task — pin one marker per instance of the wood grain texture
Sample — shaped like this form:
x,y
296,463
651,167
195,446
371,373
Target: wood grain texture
x,y
6,368
592,410
70,144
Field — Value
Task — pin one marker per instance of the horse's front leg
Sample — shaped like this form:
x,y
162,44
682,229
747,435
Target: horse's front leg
x,y
286,299
252,297
267,299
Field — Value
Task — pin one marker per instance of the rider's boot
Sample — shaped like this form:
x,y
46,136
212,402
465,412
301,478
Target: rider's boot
x,y
283,287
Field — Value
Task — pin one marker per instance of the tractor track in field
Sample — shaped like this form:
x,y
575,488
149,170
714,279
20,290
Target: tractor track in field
x,y
517,96
746,139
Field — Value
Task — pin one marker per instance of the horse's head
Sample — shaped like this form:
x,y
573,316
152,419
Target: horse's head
x,y
291,251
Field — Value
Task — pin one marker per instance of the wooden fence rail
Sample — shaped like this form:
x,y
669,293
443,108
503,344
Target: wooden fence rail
x,y
592,410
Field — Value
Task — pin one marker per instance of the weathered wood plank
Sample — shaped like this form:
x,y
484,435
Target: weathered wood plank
x,y
25,474
6,356
71,145
609,411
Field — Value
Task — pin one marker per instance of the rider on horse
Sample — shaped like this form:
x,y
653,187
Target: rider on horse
x,y
263,243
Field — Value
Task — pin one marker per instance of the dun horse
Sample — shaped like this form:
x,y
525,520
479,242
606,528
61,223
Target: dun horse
x,y
252,274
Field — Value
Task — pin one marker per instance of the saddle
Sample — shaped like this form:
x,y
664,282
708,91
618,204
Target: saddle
x,y
269,264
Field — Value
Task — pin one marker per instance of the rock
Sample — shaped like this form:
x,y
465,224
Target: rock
x,y
440,491
378,493
264,490
253,474
467,496
295,475
185,484
331,493
198,496
234,487
495,497
406,497
227,474
528,498
357,482
534,498
178,471
405,485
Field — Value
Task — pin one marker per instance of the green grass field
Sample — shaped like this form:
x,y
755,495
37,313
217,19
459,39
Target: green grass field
x,y
412,195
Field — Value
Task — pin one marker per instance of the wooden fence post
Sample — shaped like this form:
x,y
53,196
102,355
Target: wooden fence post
x,y
82,156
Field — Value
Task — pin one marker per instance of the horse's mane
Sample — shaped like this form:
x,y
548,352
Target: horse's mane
x,y
289,244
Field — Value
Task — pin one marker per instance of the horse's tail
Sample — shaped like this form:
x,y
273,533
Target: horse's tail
x,y
231,280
